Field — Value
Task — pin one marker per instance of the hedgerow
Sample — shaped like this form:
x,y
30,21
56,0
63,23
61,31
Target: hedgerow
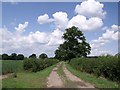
x,y
108,67
35,65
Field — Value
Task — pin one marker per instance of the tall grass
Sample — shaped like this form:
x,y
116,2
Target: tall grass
x,y
10,66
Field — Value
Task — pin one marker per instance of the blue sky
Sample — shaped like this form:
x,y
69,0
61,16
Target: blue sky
x,y
30,11
15,14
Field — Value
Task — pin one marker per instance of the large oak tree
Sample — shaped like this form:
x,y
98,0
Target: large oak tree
x,y
75,45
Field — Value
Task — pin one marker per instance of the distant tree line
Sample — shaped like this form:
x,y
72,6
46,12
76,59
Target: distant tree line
x,y
41,56
14,56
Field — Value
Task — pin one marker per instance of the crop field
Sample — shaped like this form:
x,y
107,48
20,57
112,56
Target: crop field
x,y
25,72
28,79
10,66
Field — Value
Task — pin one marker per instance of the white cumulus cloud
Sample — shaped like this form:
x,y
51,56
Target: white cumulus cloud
x,y
90,8
61,19
109,35
85,24
56,37
35,42
43,19
21,27
116,36
99,52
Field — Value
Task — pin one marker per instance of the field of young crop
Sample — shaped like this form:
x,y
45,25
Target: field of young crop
x,y
24,78
108,67
27,80
10,66
0,67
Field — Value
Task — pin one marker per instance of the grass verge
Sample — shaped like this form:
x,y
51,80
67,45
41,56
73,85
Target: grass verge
x,y
28,79
97,82
61,74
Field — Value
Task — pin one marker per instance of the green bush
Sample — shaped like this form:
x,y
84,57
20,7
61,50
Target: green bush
x,y
35,65
108,67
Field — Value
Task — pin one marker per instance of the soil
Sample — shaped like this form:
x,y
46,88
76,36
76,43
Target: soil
x,y
77,81
54,80
5,76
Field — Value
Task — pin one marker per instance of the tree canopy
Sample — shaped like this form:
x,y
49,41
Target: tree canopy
x,y
43,56
33,56
5,57
20,57
13,56
75,45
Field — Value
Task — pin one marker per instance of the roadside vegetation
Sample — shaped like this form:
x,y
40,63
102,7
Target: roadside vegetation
x,y
39,64
28,79
107,67
98,82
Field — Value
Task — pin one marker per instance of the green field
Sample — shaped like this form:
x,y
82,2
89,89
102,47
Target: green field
x,y
0,67
10,66
28,79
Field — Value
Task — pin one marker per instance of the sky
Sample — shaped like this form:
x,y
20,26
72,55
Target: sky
x,y
37,27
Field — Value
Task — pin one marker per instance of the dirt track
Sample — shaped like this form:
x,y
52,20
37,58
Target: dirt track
x,y
54,80
79,83
5,76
